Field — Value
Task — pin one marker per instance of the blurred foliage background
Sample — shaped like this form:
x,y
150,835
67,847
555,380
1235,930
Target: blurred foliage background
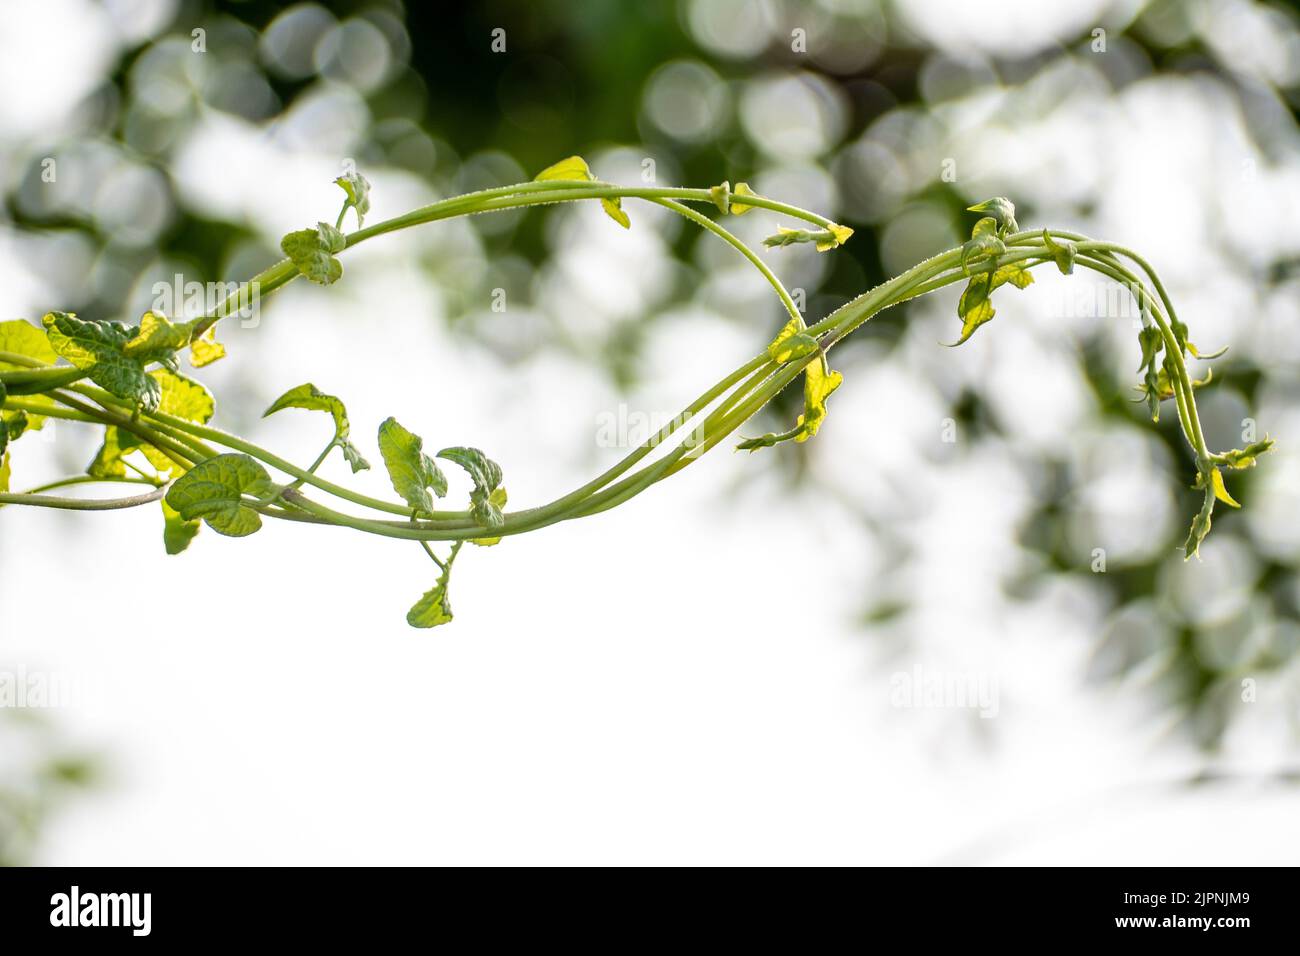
x,y
1170,126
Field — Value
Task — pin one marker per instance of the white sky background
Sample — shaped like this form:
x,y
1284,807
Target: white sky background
x,y
681,680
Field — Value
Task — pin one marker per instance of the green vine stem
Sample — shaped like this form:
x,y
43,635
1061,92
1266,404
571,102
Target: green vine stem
x,y
126,380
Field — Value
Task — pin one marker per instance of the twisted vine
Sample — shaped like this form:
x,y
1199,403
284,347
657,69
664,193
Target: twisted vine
x,y
156,421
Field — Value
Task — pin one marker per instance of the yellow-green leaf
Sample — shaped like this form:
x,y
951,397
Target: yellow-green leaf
x,y
740,208
177,531
818,384
1221,490
792,342
1246,457
573,169
206,350
22,338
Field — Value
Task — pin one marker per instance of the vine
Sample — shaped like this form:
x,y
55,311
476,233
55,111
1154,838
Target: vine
x,y
156,421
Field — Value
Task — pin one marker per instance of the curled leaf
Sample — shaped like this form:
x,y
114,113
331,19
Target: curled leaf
x,y
357,188
1200,527
312,252
486,475
1063,252
1221,490
1151,342
981,247
206,349
1000,208
817,388
1239,458
498,500
310,398
412,472
823,239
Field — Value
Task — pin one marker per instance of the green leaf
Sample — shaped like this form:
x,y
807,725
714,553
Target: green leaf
x,y
1163,385
738,208
974,316
183,397
575,169
486,475
824,239
5,473
1013,273
1063,252
1002,209
982,246
411,471
572,169
358,189
975,308
1221,490
177,532
22,338
4,423
435,607
214,491
1151,342
1246,457
12,424
157,337
99,349
498,501
818,385
206,349
107,462
792,342
1151,390
310,398
1200,527
312,252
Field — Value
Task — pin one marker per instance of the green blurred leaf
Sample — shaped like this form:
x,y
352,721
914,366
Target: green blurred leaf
x,y
177,531
22,338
